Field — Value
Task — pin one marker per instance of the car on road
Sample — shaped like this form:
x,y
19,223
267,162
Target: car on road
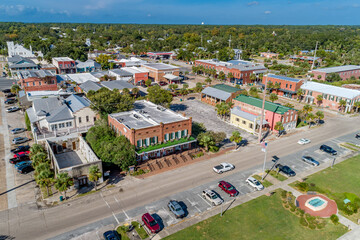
x,y
150,223
254,183
162,83
8,90
327,149
304,141
17,130
25,169
22,164
19,140
286,170
12,109
223,167
111,235
212,197
10,101
20,148
357,136
21,158
228,188
176,209
310,160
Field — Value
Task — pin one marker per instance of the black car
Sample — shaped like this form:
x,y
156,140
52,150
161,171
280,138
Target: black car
x,y
25,169
10,101
21,158
357,135
21,148
6,90
111,235
9,95
286,170
327,149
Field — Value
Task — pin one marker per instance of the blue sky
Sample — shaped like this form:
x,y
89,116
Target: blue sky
x,y
292,12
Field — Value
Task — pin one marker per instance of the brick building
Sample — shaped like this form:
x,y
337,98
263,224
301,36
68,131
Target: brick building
x,y
345,72
140,75
307,59
331,95
269,55
161,72
219,93
38,80
288,86
64,65
273,112
154,130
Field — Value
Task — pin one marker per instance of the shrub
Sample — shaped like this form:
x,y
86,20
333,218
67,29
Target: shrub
x,y
334,219
27,122
320,225
303,222
199,154
292,209
312,226
283,193
286,206
303,186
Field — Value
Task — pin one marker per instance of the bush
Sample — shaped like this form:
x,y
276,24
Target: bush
x,y
27,122
312,226
320,225
334,219
292,209
283,193
286,206
197,155
302,186
303,222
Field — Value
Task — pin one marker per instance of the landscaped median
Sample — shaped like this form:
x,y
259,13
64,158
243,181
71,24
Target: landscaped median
x,y
264,182
276,175
165,145
261,218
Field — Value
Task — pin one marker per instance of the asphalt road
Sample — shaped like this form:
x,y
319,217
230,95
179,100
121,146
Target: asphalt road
x,y
6,83
184,184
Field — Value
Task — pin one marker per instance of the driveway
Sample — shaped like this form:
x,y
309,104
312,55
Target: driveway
x,y
204,113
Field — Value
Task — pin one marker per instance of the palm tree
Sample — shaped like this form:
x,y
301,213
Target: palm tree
x,y
253,77
94,174
279,127
319,115
300,94
307,109
208,80
230,76
357,106
236,137
319,99
173,87
15,88
223,109
342,104
36,148
207,141
135,91
222,75
253,92
63,182
39,158
45,178
125,91
310,117
273,97
270,86
41,167
277,87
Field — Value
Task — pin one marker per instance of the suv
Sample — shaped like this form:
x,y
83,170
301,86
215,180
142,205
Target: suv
x,y
228,188
176,209
25,169
21,148
310,160
150,223
20,140
18,159
18,130
327,149
111,235
254,183
212,197
286,170
10,101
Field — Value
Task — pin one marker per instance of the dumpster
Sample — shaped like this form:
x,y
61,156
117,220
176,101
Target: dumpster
x,y
61,198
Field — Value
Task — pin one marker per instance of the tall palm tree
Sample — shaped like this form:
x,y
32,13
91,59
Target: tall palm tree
x,y
15,88
230,76
319,99
319,115
307,109
236,138
310,117
36,148
63,182
207,141
300,93
45,178
277,87
357,106
342,104
273,97
39,158
94,174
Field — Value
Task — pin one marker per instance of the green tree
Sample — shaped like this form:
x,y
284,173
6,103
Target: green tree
x,y
236,138
357,106
319,99
300,93
159,96
94,174
63,182
223,109
148,83
208,81
222,75
307,109
39,158
206,140
279,127
173,87
27,122
197,128
103,60
253,92
277,87
230,76
342,104
319,77
273,97
198,87
333,77
135,91
15,88
36,148
310,118
289,105
319,115
45,178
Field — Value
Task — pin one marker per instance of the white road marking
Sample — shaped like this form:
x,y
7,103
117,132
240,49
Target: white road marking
x,y
105,200
205,200
192,204
197,208
127,217
169,215
115,218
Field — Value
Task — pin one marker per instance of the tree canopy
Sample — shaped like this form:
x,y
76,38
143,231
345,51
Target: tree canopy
x,y
159,96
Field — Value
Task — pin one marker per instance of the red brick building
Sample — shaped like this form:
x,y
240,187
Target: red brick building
x,y
307,59
345,72
154,130
140,74
161,72
64,65
38,80
288,86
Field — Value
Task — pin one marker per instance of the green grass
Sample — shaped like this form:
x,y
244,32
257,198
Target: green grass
x,y
349,147
262,218
121,230
265,182
277,175
87,193
140,230
167,144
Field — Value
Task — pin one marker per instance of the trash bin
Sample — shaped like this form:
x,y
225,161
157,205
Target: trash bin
x,y
61,198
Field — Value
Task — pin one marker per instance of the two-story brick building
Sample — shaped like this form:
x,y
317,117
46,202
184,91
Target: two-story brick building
x,y
64,65
154,130
161,72
38,80
288,86
273,112
345,72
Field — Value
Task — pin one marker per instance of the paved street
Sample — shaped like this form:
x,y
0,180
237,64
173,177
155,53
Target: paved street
x,y
135,196
6,83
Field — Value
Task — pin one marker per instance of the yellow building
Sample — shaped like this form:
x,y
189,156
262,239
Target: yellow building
x,y
244,120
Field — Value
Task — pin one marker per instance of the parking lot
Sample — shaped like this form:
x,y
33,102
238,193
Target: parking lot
x,y
201,112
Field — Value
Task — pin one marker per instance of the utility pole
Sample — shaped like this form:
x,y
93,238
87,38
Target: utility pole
x,y
313,63
262,110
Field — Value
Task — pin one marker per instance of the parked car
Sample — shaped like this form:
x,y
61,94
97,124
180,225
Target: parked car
x,y
6,90
111,235
9,95
12,109
19,159
19,140
327,149
223,167
20,148
254,183
25,169
162,83
228,188
357,135
286,170
304,141
19,154
212,197
150,223
10,101
310,160
22,164
176,209
18,130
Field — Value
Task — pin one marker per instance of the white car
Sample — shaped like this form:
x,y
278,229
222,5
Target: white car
x,y
212,197
223,167
304,141
254,183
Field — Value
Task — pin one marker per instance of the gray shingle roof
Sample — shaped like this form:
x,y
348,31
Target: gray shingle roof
x,y
117,84
44,106
90,85
76,103
121,72
213,92
61,114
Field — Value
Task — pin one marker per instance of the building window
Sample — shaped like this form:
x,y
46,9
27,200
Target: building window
x,y
243,122
290,86
39,83
172,135
286,85
87,118
33,83
94,119
79,119
138,144
250,125
237,119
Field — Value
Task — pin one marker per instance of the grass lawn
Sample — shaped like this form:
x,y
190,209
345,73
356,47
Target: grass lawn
x,y
122,232
266,183
261,218
140,230
277,175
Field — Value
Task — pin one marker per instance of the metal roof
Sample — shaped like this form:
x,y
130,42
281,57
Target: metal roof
x,y
62,59
251,117
160,66
284,78
248,67
337,69
269,106
216,93
117,84
172,77
76,103
226,88
81,77
330,90
36,73
121,72
90,85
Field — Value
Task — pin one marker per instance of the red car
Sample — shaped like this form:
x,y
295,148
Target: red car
x,y
162,83
150,222
228,188
19,154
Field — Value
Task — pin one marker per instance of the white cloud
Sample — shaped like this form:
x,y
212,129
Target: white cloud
x,y
267,12
149,15
253,3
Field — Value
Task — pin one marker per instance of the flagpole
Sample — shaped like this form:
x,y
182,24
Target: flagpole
x,y
265,145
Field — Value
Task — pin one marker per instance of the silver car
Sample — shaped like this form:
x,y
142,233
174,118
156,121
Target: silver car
x,y
212,197
254,183
18,130
19,140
